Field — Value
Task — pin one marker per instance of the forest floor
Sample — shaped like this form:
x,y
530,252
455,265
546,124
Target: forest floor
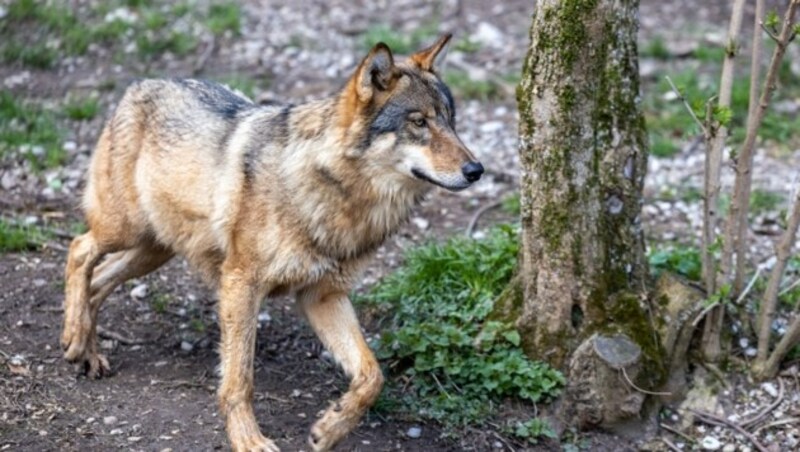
x,y
63,72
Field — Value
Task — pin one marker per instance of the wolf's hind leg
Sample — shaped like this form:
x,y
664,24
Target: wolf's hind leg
x,y
84,254
333,319
107,276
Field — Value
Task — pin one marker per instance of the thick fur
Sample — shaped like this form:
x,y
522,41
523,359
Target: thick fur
x,y
263,200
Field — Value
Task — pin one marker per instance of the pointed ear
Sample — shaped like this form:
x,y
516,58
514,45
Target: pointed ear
x,y
431,58
376,73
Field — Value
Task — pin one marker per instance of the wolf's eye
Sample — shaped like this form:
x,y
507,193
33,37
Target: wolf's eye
x,y
419,122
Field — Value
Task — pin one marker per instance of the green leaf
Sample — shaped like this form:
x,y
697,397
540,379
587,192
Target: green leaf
x,y
512,336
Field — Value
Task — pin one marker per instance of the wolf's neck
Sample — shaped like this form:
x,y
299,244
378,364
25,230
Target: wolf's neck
x,y
350,209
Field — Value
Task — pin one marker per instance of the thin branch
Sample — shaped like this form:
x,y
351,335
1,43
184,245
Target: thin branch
x,y
769,32
790,287
703,313
686,104
712,419
758,417
715,142
678,432
736,229
106,334
474,220
749,286
670,444
643,391
770,302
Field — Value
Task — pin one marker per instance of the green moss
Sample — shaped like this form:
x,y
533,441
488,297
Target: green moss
x,y
626,314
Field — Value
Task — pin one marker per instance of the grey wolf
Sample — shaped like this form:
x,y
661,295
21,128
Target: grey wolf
x,y
264,200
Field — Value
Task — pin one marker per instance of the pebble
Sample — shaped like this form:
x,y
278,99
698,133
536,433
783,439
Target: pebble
x,y
421,223
110,420
139,291
729,448
116,431
264,317
770,389
710,443
187,346
414,432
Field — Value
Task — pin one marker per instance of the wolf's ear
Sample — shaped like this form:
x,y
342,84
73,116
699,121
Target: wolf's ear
x,y
376,73
432,58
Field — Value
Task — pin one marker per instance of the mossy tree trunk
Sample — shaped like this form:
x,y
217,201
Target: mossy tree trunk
x,y
583,150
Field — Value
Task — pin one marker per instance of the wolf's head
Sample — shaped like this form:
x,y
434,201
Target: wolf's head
x,y
401,117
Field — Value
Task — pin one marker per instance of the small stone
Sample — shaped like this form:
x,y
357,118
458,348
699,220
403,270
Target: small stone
x,y
70,146
90,420
134,439
770,389
139,291
414,432
421,223
710,443
492,126
751,352
110,420
116,431
187,346
264,317
729,448
497,445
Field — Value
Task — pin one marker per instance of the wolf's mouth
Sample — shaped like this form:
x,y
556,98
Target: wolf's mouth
x,y
422,176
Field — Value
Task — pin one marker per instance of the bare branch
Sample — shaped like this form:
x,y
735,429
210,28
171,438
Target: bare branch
x,y
770,302
769,32
712,172
686,104
736,228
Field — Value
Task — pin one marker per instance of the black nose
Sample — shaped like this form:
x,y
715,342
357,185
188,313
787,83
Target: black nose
x,y
472,171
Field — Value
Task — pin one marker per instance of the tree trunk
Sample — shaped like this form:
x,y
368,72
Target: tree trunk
x,y
583,148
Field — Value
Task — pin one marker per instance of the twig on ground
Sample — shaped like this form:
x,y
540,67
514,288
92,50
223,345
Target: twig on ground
x,y
670,444
474,220
106,334
678,432
758,417
778,423
749,286
713,419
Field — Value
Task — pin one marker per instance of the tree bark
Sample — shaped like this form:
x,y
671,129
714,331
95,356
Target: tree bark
x,y
582,274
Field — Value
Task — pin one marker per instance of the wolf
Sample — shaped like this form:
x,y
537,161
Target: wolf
x,y
264,200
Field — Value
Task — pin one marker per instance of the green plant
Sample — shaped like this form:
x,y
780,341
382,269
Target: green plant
x,y
511,204
18,237
159,302
467,45
224,17
400,42
465,86
81,109
532,430
677,259
197,325
656,48
438,307
765,201
30,130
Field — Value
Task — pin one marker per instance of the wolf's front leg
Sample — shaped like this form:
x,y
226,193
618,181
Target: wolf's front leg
x,y
240,296
332,317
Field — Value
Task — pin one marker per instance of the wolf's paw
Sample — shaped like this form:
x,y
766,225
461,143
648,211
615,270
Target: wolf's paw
x,y
77,350
334,425
254,443
96,366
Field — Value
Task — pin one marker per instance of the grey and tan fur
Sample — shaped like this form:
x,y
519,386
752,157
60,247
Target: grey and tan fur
x,y
264,200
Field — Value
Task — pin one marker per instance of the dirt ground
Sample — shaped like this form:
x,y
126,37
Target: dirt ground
x,y
160,332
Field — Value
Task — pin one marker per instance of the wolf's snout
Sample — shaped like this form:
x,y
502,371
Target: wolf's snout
x,y
472,171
